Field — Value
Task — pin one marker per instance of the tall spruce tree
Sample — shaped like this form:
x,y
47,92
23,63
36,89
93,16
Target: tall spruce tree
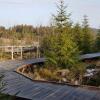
x,y
87,36
60,49
62,19
78,35
97,43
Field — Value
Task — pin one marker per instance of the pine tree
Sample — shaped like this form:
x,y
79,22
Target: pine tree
x,y
62,19
97,43
78,35
60,50
87,36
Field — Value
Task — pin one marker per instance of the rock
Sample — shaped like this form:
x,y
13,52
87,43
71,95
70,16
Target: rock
x,y
64,79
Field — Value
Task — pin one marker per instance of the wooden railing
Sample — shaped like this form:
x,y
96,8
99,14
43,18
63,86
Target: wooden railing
x,y
20,49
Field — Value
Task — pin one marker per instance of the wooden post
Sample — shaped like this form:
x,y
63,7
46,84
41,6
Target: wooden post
x,y
12,52
37,52
1,53
21,52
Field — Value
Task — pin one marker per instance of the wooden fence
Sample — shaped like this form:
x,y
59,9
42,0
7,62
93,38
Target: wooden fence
x,y
21,49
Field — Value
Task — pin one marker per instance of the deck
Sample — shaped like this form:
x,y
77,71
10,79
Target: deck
x,y
21,86
11,65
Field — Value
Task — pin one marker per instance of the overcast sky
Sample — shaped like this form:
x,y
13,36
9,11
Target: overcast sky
x,y
37,12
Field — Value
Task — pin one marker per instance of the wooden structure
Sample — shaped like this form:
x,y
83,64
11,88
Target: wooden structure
x,y
92,58
92,61
21,49
17,84
12,65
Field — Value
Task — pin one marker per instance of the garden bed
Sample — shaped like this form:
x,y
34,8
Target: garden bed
x,y
43,74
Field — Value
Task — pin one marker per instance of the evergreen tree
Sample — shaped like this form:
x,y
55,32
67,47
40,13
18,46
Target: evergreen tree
x,y
87,36
62,20
78,35
97,43
60,50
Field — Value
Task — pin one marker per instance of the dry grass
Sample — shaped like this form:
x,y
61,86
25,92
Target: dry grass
x,y
48,74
